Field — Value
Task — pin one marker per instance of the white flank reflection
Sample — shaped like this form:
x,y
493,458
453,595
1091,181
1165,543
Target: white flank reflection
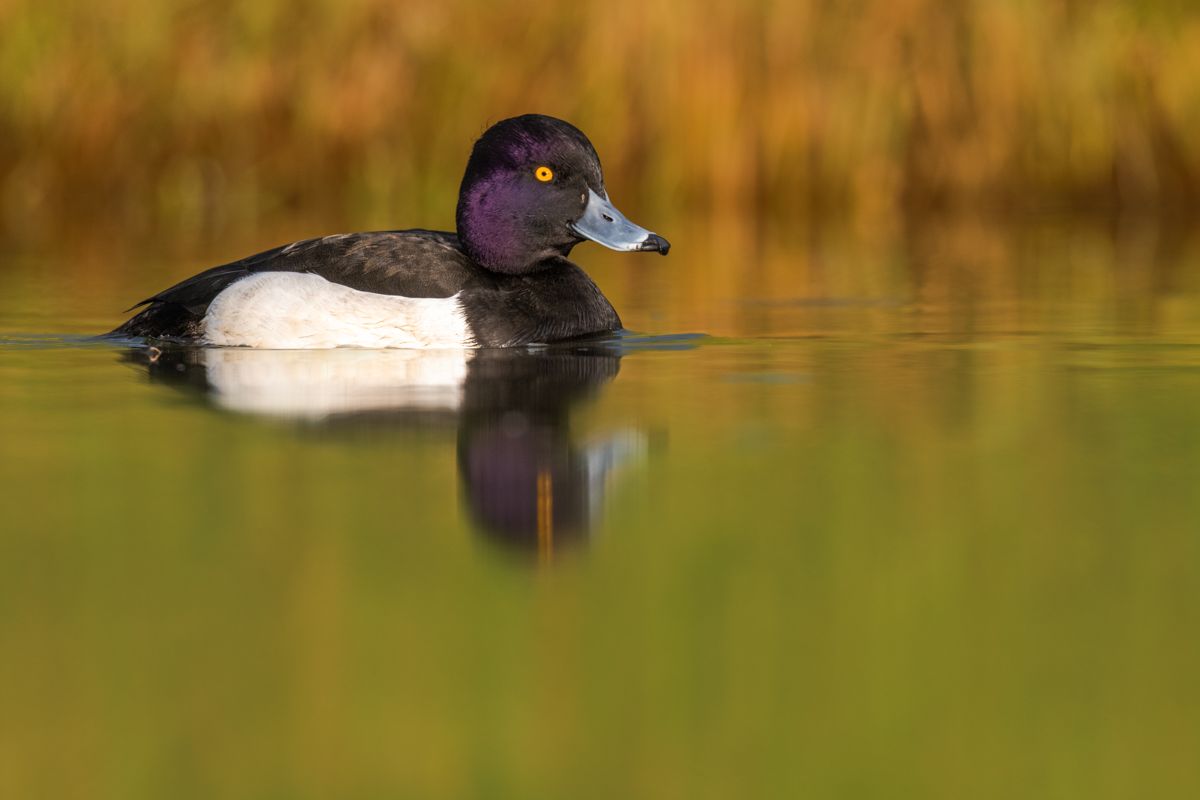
x,y
313,384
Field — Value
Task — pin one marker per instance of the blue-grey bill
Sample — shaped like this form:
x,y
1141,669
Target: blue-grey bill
x,y
603,224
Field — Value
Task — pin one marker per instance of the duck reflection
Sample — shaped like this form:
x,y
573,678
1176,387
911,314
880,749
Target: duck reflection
x,y
526,480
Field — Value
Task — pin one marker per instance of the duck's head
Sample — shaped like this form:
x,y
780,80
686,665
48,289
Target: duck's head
x,y
534,189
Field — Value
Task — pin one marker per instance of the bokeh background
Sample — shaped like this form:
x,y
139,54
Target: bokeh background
x,y
218,115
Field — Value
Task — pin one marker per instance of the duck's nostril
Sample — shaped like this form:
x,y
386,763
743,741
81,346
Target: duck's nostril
x,y
607,218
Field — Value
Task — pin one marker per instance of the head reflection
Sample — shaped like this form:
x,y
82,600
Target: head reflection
x,y
526,480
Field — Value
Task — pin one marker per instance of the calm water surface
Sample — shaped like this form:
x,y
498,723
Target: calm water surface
x,y
916,518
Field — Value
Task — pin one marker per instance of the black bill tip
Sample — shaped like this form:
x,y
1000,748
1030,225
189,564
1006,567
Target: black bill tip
x,y
655,242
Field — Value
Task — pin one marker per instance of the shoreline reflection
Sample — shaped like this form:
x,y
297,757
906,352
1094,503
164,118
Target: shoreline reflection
x,y
526,479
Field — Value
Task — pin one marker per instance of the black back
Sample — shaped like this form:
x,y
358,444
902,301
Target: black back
x,y
414,263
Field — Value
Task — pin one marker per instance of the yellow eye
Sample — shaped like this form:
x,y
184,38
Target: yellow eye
x,y
544,174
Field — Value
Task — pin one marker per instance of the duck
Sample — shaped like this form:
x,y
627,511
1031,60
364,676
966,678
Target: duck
x,y
533,189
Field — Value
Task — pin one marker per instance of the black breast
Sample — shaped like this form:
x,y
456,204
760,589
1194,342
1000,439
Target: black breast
x,y
556,303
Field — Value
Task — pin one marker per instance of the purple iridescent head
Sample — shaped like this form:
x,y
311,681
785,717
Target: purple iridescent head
x,y
533,189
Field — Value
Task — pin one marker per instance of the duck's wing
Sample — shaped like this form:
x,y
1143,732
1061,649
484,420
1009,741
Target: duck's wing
x,y
413,263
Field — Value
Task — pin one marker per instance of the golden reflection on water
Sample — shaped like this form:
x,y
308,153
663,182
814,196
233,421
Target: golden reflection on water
x,y
919,519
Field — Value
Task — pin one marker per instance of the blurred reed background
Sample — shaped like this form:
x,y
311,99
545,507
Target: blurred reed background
x,y
209,117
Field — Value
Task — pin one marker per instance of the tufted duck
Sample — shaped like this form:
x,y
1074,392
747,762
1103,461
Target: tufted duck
x,y
533,189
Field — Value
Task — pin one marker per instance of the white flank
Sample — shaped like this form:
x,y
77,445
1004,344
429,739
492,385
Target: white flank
x,y
300,311
312,385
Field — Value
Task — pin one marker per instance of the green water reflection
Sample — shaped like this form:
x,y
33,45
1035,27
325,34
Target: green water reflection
x,y
922,525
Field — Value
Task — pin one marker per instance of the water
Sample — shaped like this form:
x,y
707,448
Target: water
x,y
910,519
